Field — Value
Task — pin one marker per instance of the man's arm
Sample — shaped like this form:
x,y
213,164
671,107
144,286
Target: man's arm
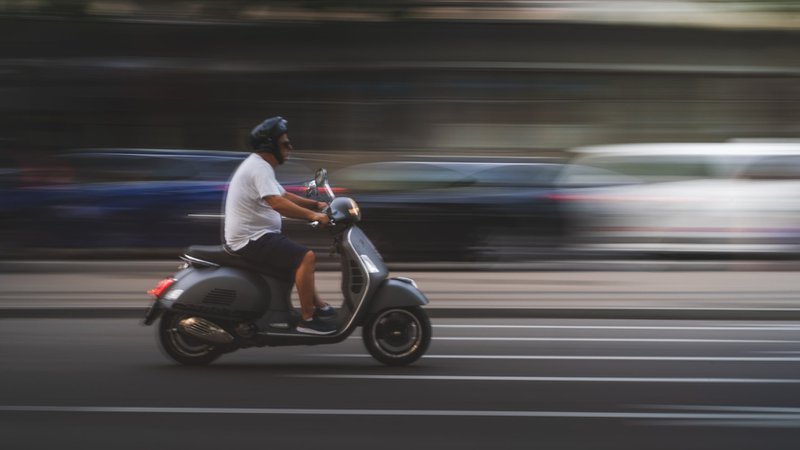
x,y
304,202
287,208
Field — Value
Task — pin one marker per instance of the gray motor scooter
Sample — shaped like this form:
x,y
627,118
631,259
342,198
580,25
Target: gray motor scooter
x,y
218,303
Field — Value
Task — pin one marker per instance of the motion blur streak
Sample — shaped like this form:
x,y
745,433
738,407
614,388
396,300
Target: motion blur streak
x,y
492,96
565,168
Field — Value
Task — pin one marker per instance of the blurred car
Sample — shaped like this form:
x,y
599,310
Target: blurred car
x,y
457,210
10,174
731,198
134,199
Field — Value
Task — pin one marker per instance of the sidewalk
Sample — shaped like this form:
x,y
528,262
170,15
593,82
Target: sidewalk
x,y
117,289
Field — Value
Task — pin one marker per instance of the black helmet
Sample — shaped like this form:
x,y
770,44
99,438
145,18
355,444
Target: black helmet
x,y
264,137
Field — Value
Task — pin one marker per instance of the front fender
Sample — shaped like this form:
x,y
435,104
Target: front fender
x,y
396,293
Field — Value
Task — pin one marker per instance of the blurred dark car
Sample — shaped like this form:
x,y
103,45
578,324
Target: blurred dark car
x,y
134,199
456,210
10,174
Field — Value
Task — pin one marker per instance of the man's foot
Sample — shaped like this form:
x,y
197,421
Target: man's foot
x,y
325,312
315,326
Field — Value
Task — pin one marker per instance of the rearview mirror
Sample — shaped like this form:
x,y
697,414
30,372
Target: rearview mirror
x,y
321,177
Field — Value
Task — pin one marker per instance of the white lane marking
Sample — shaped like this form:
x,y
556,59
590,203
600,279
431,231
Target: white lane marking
x,y
206,216
399,412
604,327
553,379
590,358
729,408
533,339
788,422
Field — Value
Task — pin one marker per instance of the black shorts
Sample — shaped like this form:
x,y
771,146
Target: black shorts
x,y
275,252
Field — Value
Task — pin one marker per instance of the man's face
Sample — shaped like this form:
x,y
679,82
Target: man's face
x,y
285,146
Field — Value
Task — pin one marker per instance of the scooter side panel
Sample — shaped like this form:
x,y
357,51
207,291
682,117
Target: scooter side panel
x,y
394,293
219,292
367,272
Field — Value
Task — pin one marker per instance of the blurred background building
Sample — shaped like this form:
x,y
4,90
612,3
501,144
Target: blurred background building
x,y
388,79
530,77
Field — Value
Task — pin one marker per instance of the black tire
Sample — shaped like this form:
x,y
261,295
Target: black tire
x,y
183,349
397,336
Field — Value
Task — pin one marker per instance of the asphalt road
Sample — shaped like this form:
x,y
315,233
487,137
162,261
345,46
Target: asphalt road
x,y
485,383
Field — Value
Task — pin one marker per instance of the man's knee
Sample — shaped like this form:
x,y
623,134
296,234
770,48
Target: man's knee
x,y
309,259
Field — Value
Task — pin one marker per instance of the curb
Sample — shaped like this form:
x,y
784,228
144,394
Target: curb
x,y
461,313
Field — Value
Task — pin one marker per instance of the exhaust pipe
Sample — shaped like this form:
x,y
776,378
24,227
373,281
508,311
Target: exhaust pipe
x,y
204,330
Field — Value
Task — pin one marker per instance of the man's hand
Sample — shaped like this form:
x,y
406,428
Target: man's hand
x,y
323,219
321,206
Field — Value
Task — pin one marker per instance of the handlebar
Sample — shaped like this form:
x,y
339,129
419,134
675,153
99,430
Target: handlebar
x,y
315,224
320,181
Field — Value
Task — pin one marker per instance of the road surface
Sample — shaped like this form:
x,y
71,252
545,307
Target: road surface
x,y
485,383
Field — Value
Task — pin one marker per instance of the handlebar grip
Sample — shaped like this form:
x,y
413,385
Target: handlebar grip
x,y
315,224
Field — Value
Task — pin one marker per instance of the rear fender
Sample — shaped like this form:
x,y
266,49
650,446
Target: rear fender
x,y
153,313
218,292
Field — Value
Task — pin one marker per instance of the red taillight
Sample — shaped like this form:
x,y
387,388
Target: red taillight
x,y
298,190
162,286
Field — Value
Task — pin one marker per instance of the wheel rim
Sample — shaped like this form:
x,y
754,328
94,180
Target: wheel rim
x,y
185,345
397,333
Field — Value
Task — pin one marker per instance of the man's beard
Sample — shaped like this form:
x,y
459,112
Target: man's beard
x,y
279,156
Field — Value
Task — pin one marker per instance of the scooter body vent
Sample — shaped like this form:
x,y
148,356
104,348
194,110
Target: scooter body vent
x,y
220,296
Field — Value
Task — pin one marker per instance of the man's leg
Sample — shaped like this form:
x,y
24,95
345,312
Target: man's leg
x,y
304,280
306,290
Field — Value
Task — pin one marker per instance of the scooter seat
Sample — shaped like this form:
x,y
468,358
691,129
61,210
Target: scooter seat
x,y
219,255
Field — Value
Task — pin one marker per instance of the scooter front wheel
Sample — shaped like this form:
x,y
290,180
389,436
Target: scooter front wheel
x,y
183,349
398,336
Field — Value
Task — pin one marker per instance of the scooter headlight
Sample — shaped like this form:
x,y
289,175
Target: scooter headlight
x,y
344,209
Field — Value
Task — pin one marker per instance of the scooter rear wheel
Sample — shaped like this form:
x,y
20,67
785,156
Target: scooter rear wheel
x,y
183,349
398,336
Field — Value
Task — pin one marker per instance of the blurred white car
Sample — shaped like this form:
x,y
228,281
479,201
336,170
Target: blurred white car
x,y
699,198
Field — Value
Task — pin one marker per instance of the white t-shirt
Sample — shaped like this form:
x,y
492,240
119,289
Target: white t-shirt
x,y
247,215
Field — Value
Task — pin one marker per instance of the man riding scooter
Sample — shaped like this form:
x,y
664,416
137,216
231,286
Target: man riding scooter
x,y
254,205
238,295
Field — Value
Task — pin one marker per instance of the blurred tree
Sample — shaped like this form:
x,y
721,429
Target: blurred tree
x,y
387,9
229,9
55,7
777,5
